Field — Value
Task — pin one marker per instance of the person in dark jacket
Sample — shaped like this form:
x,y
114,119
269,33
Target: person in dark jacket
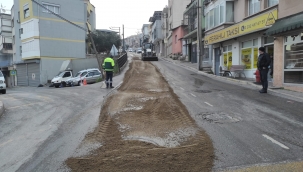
x,y
263,63
108,66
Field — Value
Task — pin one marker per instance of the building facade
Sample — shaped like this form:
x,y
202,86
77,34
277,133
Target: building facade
x,y
176,26
43,40
156,31
6,49
234,30
288,46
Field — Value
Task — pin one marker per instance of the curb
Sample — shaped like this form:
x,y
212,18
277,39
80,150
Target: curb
x,y
229,79
1,108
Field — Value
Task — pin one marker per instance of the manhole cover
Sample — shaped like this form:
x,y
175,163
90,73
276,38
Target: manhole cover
x,y
218,117
203,91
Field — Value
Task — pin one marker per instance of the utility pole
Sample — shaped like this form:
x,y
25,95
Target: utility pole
x,y
123,42
199,43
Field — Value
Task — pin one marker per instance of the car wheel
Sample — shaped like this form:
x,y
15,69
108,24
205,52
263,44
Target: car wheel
x,y
3,91
64,84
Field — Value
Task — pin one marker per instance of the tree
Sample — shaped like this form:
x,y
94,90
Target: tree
x,y
104,40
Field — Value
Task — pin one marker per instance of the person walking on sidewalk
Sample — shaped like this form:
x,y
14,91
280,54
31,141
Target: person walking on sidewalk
x,y
108,66
263,63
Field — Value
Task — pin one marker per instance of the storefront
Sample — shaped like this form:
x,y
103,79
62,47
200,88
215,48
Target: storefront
x,y
239,43
288,52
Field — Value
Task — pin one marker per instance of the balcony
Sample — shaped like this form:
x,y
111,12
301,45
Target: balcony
x,y
6,48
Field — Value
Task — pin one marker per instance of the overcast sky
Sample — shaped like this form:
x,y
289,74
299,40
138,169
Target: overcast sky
x,y
132,13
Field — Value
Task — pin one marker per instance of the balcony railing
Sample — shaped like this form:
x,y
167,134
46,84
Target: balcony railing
x,y
7,46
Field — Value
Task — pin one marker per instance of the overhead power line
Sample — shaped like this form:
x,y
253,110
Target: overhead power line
x,y
41,5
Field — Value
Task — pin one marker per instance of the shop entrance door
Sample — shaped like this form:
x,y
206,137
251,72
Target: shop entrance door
x,y
217,60
269,49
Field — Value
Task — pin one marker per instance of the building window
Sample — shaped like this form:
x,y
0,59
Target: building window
x,y
14,39
12,23
51,7
249,54
26,11
227,56
220,14
176,39
272,2
253,6
20,50
293,59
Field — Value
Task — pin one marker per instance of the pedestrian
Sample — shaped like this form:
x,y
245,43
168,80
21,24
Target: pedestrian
x,y
263,63
108,66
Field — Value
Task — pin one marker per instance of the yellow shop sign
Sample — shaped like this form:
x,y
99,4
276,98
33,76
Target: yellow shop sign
x,y
257,23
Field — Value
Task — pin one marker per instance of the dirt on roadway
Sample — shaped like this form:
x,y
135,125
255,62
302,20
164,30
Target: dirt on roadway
x,y
145,127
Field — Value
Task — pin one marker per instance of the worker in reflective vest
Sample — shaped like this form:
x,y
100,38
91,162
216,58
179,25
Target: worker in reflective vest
x,y
108,66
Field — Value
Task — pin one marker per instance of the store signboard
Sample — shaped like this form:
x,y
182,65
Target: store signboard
x,y
257,23
246,57
256,54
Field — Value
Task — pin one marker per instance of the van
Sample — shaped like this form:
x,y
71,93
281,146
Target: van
x,y
2,83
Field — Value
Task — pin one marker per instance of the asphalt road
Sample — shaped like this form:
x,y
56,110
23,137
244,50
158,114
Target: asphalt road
x,y
42,127
246,127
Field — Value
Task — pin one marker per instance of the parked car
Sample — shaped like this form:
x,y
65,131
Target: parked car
x,y
91,76
130,50
62,77
2,83
139,50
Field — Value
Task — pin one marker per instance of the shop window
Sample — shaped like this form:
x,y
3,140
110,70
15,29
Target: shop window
x,y
293,59
255,42
253,6
227,56
249,54
272,2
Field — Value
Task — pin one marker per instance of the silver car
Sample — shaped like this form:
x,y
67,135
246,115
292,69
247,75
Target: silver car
x,y
90,76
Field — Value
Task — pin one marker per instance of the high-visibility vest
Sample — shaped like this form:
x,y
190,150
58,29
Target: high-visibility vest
x,y
108,64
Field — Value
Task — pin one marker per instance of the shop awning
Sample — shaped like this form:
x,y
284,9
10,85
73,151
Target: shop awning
x,y
286,24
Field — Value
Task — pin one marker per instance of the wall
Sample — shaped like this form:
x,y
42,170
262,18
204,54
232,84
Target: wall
x,y
51,67
289,7
176,43
16,32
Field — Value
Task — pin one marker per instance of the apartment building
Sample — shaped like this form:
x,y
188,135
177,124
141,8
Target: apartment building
x,y
288,45
6,50
156,31
43,40
165,31
176,26
234,30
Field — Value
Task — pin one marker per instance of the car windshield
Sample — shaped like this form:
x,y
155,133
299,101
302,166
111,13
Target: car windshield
x,y
78,74
61,74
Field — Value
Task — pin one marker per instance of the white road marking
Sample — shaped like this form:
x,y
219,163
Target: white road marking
x,y
2,144
193,95
182,88
174,83
208,104
275,141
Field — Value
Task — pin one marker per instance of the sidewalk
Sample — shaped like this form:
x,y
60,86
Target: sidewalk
x,y
242,81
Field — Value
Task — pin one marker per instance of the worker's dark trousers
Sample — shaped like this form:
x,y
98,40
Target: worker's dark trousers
x,y
263,77
109,79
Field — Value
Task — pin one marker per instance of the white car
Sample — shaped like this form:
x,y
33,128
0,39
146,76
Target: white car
x,y
91,75
61,78
2,83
